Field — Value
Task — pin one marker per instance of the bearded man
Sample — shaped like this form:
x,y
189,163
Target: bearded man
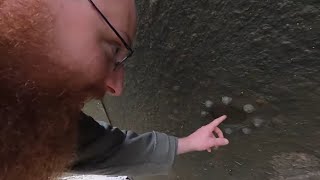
x,y
56,55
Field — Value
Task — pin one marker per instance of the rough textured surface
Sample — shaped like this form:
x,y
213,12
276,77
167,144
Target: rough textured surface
x,y
87,177
296,166
264,53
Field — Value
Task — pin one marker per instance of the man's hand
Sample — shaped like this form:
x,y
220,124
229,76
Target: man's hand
x,y
204,138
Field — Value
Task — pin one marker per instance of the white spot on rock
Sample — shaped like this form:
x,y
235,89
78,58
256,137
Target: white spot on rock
x,y
228,131
208,104
258,122
248,108
152,2
246,130
204,113
226,100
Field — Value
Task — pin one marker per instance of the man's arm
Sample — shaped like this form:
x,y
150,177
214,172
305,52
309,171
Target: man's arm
x,y
110,151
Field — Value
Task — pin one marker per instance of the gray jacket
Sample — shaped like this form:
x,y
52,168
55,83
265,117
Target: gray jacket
x,y
110,151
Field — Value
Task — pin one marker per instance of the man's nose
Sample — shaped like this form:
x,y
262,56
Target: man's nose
x,y
114,82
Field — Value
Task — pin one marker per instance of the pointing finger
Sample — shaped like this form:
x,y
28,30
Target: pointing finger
x,y
216,122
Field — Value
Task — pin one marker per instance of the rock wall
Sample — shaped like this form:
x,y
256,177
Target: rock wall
x,y
265,55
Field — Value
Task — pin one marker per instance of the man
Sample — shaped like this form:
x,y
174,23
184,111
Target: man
x,y
54,56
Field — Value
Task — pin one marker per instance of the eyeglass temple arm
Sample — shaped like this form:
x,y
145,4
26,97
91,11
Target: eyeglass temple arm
x,y
113,29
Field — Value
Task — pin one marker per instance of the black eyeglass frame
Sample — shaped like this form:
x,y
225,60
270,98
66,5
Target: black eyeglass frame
x,y
120,63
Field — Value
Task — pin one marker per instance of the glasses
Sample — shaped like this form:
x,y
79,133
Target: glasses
x,y
122,56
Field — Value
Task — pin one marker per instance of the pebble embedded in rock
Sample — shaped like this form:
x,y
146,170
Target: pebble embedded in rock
x,y
175,100
261,101
246,131
204,113
248,108
278,120
176,88
208,104
226,100
175,111
228,131
258,122
152,2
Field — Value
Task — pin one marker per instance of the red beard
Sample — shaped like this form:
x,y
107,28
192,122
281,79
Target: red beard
x,y
37,142
38,110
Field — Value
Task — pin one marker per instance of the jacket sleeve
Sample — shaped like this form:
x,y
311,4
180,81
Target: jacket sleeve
x,y
110,151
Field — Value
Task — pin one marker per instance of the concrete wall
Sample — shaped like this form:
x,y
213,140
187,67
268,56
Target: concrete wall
x,y
263,53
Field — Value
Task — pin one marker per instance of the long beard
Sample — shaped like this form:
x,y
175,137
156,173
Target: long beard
x,y
38,130
37,142
38,114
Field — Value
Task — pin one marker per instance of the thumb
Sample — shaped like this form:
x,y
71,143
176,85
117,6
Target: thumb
x,y
219,142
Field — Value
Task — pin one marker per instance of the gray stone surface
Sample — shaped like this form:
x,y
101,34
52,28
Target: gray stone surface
x,y
95,109
296,166
264,53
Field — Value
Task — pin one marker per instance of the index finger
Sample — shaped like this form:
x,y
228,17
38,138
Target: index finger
x,y
217,121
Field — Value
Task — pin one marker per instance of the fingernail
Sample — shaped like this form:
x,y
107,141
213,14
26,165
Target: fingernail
x,y
226,141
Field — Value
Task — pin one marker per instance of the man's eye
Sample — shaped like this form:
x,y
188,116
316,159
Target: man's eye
x,y
114,48
117,50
